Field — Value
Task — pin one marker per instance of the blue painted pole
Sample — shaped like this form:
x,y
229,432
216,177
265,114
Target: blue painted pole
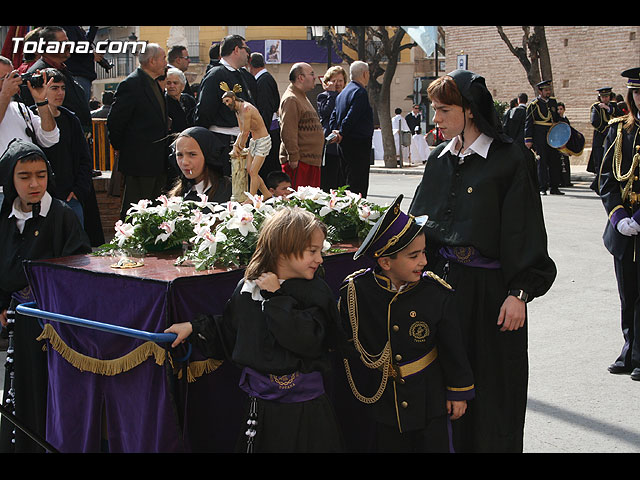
x,y
30,310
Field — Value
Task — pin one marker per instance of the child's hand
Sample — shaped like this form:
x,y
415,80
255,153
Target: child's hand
x,y
182,330
456,408
268,281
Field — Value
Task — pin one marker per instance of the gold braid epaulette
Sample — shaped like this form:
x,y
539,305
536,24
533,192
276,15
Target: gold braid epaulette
x,y
616,120
435,277
354,275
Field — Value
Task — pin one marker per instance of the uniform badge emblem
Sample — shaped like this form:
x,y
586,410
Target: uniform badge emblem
x,y
419,331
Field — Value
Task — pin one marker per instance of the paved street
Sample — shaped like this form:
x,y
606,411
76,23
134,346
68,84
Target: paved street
x,y
575,405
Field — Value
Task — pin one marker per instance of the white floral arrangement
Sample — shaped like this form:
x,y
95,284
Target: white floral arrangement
x,y
224,235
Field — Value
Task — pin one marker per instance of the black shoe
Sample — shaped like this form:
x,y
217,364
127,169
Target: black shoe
x,y
543,192
617,368
635,375
555,191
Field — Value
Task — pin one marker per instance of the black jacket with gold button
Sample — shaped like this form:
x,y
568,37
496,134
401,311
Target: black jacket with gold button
x,y
425,358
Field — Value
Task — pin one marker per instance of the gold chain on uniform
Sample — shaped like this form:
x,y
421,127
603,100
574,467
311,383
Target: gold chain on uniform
x,y
617,165
383,359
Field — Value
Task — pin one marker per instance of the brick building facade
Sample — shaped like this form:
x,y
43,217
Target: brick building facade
x,y
583,58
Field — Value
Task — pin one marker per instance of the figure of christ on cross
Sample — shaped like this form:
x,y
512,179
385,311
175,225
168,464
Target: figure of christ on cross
x,y
250,122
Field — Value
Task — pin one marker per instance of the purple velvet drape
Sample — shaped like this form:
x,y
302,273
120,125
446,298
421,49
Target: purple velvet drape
x,y
146,409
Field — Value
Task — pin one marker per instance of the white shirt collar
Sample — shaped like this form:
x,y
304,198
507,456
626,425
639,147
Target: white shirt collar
x,y
200,187
252,287
480,146
227,65
22,217
261,72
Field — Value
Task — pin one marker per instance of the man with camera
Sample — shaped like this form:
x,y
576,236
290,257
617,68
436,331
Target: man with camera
x,y
16,120
76,98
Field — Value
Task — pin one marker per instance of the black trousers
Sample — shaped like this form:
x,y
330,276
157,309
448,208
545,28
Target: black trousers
x,y
628,277
434,438
137,188
549,167
356,155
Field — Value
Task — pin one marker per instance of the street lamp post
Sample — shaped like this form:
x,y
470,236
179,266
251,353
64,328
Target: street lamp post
x,y
322,36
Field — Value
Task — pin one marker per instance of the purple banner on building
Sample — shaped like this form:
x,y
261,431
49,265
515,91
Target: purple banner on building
x,y
292,51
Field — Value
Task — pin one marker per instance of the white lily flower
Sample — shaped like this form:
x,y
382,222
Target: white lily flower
x,y
141,207
210,241
332,203
366,214
242,220
124,231
168,227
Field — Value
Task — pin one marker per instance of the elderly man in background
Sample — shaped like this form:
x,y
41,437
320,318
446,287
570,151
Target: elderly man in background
x,y
138,125
300,129
180,105
352,122
178,57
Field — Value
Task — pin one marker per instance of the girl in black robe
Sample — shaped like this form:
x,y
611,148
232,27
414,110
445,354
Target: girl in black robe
x,y
486,232
51,229
207,177
279,326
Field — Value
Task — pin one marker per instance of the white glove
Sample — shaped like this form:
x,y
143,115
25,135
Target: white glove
x,y
628,226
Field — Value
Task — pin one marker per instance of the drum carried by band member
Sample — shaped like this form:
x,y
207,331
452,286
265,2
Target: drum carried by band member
x,y
565,138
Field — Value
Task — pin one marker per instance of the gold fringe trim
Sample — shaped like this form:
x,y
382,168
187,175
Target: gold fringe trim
x,y
116,366
125,363
199,368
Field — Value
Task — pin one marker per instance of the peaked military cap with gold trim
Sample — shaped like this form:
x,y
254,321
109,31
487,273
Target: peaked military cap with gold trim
x,y
633,77
391,233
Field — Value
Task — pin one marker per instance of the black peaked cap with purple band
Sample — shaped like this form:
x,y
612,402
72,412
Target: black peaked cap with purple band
x,y
391,233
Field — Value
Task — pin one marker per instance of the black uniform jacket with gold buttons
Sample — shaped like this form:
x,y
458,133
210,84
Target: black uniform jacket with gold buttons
x,y
426,350
619,171
541,115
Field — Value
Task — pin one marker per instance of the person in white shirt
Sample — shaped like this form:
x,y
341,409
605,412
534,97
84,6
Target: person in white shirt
x,y
16,119
399,125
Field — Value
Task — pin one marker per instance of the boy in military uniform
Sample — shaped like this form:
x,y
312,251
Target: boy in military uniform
x,y
397,315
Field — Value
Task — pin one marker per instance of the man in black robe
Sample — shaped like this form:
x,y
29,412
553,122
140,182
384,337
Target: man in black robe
x,y
210,112
486,237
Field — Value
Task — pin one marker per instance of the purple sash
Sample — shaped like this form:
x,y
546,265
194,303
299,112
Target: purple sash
x,y
296,387
469,256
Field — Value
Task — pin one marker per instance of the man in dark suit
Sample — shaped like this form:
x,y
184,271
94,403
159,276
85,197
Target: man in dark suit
x,y
138,126
352,121
414,118
267,101
514,120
